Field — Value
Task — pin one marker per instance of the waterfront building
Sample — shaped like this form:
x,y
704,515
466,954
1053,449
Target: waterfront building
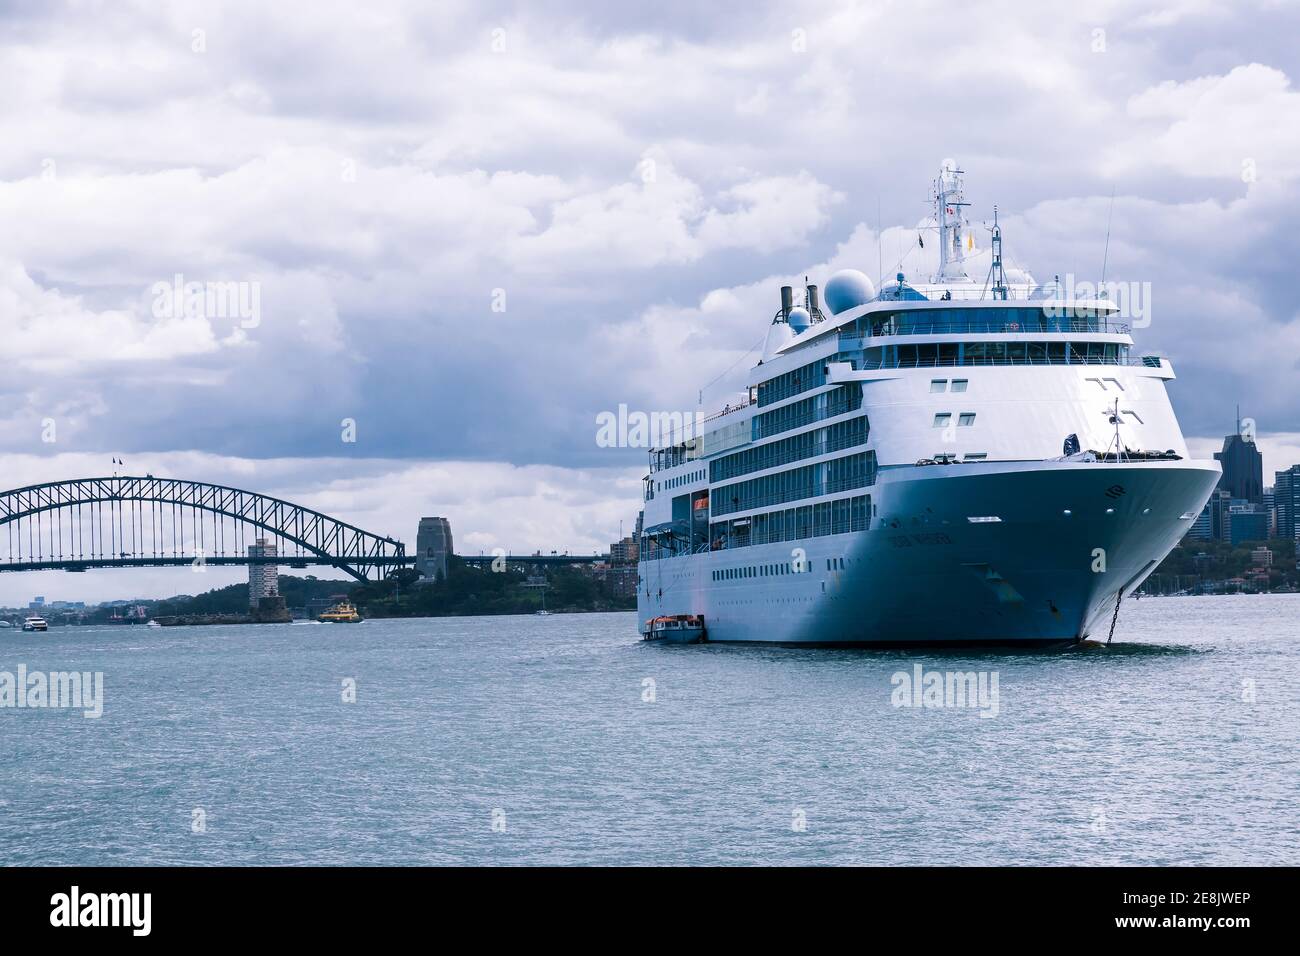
x,y
1243,467
1247,525
433,544
623,552
621,580
1258,578
1220,505
263,579
1202,528
1261,557
1286,501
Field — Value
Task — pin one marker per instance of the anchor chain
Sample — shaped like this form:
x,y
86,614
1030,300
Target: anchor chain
x,y
1119,596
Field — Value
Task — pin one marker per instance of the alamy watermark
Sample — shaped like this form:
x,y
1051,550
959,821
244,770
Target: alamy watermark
x,y
129,910
208,300
922,688
56,689
1076,299
634,429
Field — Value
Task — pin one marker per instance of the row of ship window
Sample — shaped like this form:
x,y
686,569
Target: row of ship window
x,y
682,480
944,419
761,570
793,524
838,401
935,354
941,384
808,481
793,566
810,376
819,441
996,320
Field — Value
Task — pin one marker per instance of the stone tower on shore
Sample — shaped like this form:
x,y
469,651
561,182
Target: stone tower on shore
x,y
432,545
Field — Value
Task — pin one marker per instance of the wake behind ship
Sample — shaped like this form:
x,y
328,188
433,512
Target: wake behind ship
x,y
962,460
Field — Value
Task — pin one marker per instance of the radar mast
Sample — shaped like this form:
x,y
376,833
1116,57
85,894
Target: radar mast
x,y
949,206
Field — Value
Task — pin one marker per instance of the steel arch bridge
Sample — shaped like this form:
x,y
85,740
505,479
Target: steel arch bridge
x,y
126,521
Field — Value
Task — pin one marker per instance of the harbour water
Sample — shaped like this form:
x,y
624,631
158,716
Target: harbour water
x,y
564,739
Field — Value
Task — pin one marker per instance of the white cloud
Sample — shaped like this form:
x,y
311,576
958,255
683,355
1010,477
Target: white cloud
x,y
49,332
1246,122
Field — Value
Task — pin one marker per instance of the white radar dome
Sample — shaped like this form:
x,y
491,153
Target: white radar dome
x,y
846,289
799,319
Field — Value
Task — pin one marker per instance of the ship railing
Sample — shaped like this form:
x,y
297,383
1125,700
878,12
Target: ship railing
x,y
975,327
1048,294
945,293
728,410
1146,361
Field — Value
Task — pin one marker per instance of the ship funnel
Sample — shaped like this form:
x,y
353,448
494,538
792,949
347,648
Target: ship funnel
x,y
814,307
787,301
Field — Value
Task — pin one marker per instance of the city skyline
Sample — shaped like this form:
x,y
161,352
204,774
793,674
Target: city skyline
x,y
444,275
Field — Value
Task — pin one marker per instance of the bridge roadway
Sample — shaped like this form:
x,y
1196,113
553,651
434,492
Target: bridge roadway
x,y
544,559
285,561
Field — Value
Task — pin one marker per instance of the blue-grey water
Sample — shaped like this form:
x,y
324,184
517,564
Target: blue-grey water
x,y
563,739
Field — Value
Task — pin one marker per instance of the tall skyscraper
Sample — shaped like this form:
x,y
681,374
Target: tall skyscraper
x,y
263,579
1286,501
1243,467
432,545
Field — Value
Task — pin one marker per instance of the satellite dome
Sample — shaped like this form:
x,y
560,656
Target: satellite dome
x,y
799,319
847,289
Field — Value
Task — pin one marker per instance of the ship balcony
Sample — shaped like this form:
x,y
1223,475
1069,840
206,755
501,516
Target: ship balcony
x,y
973,322
957,354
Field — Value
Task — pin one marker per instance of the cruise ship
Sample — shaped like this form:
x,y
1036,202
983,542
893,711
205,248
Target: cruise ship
x,y
970,457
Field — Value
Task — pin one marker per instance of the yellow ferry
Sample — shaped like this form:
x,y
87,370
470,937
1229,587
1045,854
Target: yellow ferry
x,y
342,613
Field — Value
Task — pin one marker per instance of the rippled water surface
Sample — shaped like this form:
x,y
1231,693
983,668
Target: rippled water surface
x,y
564,739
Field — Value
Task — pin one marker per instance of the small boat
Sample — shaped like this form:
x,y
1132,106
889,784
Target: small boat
x,y
152,623
543,613
675,629
34,623
341,613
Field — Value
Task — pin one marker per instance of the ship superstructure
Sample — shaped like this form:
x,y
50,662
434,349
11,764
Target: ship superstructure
x,y
970,457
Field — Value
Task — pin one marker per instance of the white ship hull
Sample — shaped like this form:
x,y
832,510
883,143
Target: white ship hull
x,y
925,574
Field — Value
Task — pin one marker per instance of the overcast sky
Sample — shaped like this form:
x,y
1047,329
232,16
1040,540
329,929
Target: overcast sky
x,y
472,227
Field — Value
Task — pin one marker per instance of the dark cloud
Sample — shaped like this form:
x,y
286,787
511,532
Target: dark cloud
x,y
381,172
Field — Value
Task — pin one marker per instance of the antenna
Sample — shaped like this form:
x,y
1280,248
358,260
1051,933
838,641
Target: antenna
x,y
996,273
1105,255
880,247
1119,446
949,205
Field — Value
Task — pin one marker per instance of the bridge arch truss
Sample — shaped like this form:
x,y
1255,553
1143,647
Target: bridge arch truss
x,y
125,521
